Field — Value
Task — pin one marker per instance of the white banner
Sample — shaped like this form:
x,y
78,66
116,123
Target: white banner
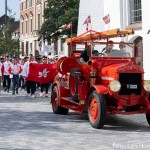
x,y
47,48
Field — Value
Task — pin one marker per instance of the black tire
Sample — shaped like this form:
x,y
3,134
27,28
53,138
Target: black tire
x,y
55,103
148,118
97,110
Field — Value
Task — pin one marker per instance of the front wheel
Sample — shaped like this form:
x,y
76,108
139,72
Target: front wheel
x,y
55,102
148,118
97,110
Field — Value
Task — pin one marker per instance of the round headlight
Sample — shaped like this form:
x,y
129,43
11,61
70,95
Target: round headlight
x,y
147,85
115,86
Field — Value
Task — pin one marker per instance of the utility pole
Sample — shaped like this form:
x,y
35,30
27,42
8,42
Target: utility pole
x,y
5,26
5,12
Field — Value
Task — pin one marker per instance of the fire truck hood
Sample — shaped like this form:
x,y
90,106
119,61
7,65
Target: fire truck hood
x,y
110,72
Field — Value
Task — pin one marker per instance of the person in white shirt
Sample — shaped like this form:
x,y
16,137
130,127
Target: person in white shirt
x,y
1,65
122,47
21,78
31,85
15,69
7,81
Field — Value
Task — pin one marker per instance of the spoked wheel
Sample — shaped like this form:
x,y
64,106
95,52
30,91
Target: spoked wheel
x,y
73,81
97,110
148,118
55,102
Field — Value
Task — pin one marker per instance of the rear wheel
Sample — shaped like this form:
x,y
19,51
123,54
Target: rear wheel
x,y
148,118
55,102
97,110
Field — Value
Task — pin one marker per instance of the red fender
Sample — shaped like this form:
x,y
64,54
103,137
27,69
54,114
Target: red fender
x,y
100,89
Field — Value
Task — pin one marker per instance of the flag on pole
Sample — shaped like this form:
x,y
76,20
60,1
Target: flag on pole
x,y
87,21
106,19
69,26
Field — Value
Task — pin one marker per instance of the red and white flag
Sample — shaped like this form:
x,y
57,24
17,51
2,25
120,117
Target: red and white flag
x,y
87,21
106,19
69,26
42,73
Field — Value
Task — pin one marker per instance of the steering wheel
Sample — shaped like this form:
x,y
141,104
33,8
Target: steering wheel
x,y
101,54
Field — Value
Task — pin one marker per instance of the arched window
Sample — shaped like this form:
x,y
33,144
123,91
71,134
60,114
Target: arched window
x,y
135,11
26,23
31,21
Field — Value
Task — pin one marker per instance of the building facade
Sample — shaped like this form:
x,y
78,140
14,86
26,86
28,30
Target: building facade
x,y
122,14
31,19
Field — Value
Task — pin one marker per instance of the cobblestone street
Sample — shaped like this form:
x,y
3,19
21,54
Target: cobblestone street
x,y
29,123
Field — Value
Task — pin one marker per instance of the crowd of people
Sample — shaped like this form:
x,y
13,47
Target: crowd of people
x,y
13,73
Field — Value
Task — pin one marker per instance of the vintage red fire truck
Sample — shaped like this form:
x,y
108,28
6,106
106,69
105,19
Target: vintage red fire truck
x,y
108,83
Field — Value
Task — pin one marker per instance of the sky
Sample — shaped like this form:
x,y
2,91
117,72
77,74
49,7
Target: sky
x,y
14,5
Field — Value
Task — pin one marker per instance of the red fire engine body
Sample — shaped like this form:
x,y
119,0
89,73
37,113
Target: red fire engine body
x,y
109,83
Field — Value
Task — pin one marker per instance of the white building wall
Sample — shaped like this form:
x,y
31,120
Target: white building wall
x,y
118,10
146,37
112,7
97,9
94,8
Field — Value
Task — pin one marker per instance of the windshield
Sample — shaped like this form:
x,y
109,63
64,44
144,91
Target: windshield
x,y
112,49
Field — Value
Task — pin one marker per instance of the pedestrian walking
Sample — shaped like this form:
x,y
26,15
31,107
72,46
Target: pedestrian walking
x,y
38,60
44,86
30,85
21,76
1,74
7,81
15,70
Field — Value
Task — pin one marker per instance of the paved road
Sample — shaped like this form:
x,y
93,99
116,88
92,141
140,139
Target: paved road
x,y
29,123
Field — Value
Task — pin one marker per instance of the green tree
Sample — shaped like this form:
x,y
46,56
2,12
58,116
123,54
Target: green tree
x,y
7,44
57,15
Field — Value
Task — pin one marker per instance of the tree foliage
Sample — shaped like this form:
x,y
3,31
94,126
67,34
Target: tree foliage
x,y
57,15
7,44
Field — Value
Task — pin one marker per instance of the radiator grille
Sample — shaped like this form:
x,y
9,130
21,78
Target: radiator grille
x,y
130,83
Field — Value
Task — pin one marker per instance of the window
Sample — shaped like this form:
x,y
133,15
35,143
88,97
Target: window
x,y
26,26
30,47
38,21
30,3
62,44
135,11
22,48
22,6
26,4
22,27
38,1
31,28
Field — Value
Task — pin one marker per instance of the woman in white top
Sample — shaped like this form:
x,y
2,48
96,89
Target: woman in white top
x,y
1,76
7,81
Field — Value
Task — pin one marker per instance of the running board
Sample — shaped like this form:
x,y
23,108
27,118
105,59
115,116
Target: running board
x,y
69,103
